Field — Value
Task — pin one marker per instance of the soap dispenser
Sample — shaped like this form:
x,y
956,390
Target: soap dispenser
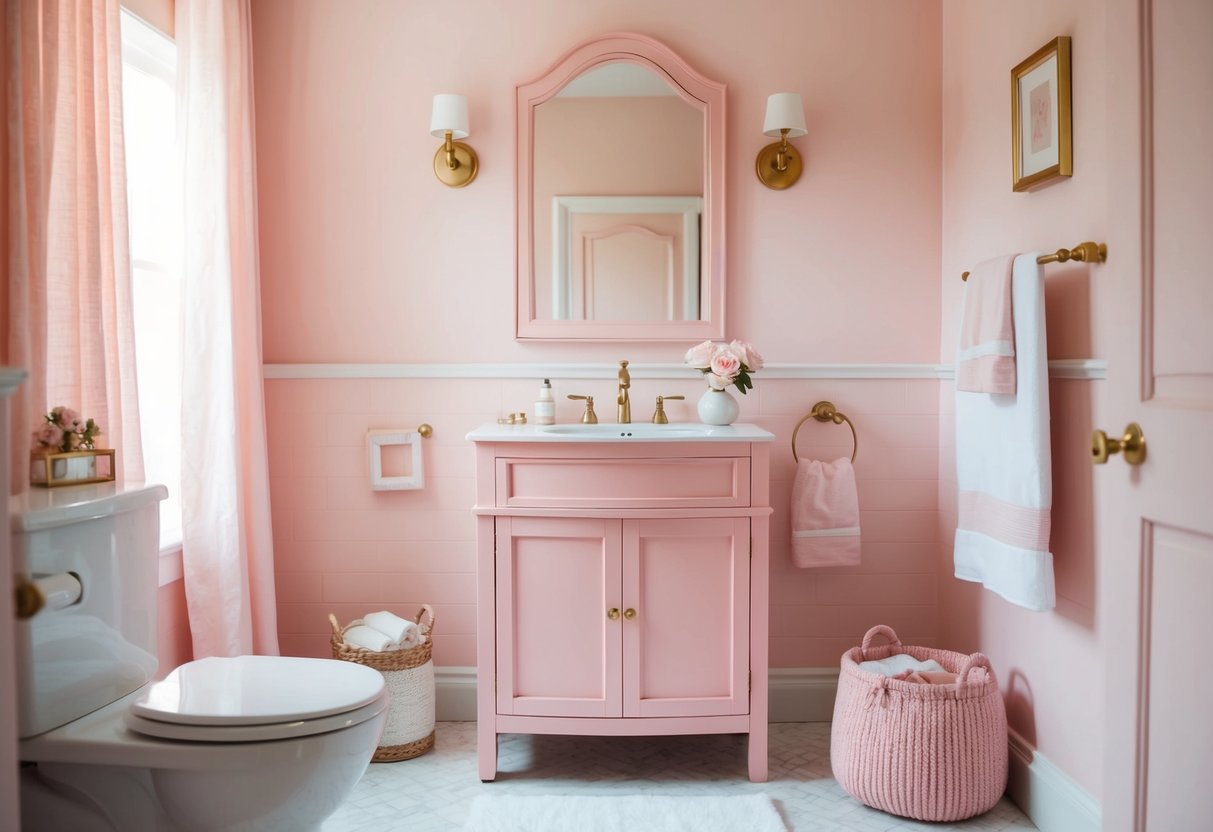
x,y
545,405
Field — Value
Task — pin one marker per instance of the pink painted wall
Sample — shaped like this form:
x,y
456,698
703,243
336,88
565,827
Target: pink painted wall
x,y
158,13
366,257
1050,664
359,240
173,625
590,147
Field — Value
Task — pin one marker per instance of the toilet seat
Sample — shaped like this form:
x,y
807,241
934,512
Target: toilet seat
x,y
257,698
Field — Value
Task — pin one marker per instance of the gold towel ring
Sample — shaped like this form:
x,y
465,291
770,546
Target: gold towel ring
x,y
826,412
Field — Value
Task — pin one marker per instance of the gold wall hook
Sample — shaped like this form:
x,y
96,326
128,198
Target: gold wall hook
x,y
1133,444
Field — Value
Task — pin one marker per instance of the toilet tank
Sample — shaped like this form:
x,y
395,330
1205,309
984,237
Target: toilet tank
x,y
92,650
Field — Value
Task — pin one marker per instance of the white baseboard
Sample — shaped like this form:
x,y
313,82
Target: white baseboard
x,y
797,694
1046,794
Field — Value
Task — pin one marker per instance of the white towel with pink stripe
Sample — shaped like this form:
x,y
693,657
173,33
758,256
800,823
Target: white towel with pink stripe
x,y
1004,467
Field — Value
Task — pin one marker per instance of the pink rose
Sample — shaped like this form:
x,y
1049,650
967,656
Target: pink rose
x,y
718,382
49,435
748,355
700,355
67,418
726,363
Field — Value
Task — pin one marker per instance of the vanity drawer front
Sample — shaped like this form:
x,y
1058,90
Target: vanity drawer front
x,y
710,482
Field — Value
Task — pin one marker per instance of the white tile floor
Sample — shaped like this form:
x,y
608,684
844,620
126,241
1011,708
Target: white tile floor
x,y
433,792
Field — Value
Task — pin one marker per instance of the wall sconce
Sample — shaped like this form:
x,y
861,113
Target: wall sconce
x,y
455,163
779,165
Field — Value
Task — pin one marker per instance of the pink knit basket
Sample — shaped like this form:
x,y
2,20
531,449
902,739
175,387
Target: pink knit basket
x,y
928,752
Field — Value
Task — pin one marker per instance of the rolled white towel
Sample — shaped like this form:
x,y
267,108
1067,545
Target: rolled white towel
x,y
404,633
897,663
362,636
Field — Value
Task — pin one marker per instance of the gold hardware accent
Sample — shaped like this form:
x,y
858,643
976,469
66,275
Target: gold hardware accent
x,y
659,417
455,163
613,613
624,417
778,164
29,599
511,419
1087,252
1133,443
825,411
589,417
425,430
629,613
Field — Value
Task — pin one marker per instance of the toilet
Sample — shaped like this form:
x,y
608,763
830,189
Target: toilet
x,y
241,744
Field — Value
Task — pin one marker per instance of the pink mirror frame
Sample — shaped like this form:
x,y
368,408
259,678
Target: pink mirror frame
x,y
698,91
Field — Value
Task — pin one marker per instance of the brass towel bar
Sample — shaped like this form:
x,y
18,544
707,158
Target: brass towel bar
x,y
1087,252
826,412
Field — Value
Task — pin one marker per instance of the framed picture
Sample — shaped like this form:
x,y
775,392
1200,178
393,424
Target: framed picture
x,y
1040,117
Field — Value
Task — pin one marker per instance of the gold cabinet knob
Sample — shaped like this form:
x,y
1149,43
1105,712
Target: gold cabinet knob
x,y
629,613
613,613
1132,444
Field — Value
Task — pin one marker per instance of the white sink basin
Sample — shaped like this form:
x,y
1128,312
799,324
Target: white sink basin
x,y
638,432
635,431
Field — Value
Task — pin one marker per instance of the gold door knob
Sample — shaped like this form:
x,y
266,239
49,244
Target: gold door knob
x,y
613,613
1133,444
629,613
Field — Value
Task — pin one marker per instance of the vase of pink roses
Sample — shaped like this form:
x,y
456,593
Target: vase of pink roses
x,y
65,451
724,366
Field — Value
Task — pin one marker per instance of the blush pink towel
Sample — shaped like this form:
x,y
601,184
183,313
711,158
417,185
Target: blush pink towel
x,y
825,514
986,361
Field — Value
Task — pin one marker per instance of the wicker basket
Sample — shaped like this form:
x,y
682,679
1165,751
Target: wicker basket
x,y
929,752
409,676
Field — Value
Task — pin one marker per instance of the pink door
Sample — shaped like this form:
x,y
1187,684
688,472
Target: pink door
x,y
558,649
1155,534
686,590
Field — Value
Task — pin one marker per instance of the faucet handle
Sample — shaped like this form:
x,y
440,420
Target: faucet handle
x,y
659,417
589,417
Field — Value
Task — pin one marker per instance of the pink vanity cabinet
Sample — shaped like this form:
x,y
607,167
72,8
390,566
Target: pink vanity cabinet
x,y
622,583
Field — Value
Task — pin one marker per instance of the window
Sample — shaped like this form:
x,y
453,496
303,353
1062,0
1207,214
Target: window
x,y
149,103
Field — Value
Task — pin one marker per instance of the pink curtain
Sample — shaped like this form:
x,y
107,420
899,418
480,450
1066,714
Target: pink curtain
x,y
70,310
228,546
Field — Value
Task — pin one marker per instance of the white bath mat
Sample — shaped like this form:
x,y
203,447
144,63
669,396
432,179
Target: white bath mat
x,y
627,813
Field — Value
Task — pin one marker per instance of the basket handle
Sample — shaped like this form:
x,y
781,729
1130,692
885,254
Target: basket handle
x,y
336,627
879,630
427,629
970,662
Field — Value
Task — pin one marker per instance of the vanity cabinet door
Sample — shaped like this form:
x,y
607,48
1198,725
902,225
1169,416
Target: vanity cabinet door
x,y
686,650
558,653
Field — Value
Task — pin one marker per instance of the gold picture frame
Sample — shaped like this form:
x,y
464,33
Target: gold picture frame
x,y
1041,140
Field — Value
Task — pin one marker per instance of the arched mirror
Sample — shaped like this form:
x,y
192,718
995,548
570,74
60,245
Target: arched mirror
x,y
620,197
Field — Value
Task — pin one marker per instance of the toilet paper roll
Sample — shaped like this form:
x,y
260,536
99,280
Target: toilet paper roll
x,y
60,590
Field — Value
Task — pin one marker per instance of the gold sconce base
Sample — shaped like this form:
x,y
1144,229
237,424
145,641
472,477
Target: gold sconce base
x,y
768,170
467,165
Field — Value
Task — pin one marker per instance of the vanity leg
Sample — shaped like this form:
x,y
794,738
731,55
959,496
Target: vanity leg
x,y
758,753
486,746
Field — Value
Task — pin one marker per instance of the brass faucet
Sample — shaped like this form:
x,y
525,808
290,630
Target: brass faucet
x,y
625,405
659,417
589,417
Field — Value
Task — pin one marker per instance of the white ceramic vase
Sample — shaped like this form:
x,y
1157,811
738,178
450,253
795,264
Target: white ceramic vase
x,y
718,407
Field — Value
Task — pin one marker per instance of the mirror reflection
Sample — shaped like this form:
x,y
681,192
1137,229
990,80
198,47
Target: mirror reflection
x,y
618,195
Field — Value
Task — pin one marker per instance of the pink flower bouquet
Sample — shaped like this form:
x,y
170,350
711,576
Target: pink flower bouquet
x,y
65,430
726,364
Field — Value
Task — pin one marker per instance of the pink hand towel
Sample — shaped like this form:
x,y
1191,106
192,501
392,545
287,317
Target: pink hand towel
x,y
986,361
825,514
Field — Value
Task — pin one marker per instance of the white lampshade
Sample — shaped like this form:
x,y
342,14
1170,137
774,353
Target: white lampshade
x,y
450,113
784,109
